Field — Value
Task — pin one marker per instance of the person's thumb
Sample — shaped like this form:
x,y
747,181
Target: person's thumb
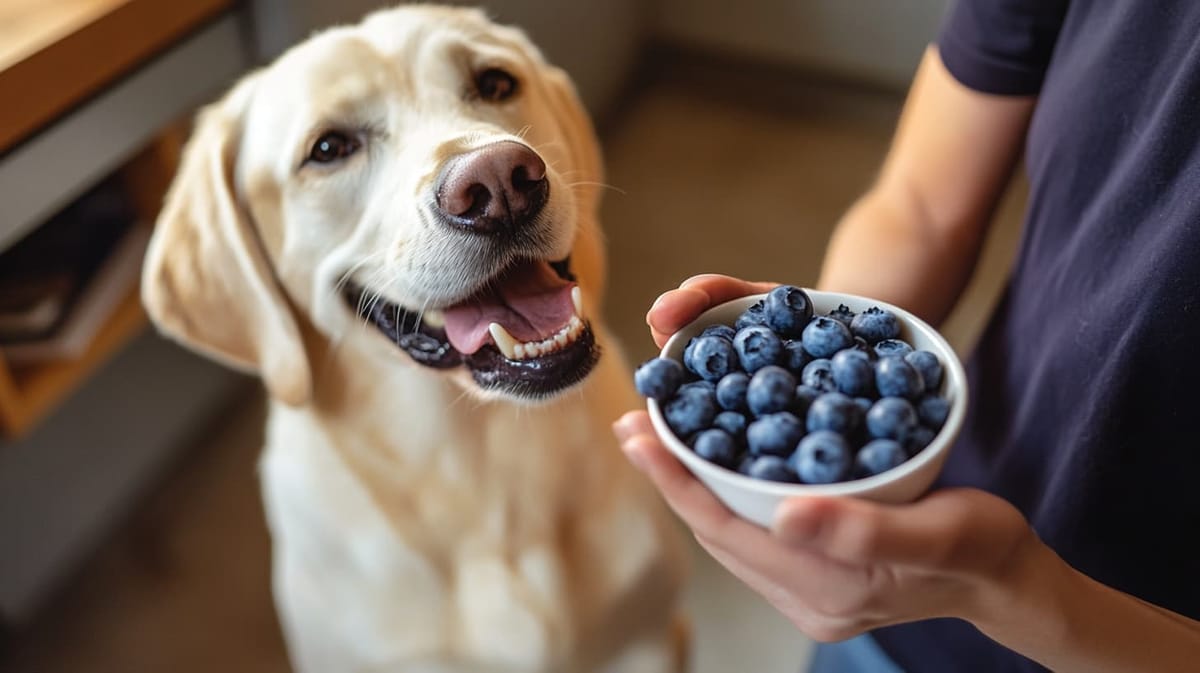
x,y
952,529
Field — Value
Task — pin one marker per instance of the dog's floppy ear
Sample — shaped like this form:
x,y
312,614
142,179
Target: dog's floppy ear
x,y
206,280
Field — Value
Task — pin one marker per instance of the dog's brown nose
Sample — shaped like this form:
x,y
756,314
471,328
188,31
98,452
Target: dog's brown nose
x,y
496,188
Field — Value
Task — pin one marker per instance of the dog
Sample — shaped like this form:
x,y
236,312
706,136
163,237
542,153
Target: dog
x,y
394,225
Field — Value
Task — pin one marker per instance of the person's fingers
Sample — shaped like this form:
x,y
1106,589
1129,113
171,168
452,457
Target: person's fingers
x,y
824,598
688,497
676,308
750,576
952,529
720,288
632,423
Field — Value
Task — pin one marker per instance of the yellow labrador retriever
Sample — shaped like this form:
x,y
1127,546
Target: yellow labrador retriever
x,y
395,226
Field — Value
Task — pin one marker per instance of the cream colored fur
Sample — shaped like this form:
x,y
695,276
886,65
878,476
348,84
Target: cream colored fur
x,y
418,524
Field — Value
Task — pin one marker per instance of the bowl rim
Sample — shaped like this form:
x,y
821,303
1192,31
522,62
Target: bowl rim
x,y
954,379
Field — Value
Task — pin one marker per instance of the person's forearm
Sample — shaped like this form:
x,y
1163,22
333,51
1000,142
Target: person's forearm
x,y
914,238
1068,622
882,248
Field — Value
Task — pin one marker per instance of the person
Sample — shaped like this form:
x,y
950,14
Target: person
x,y
1063,533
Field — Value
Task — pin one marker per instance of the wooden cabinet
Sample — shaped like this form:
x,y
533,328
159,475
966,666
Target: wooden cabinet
x,y
94,88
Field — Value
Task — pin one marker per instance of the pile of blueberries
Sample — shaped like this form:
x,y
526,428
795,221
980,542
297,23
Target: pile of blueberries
x,y
787,396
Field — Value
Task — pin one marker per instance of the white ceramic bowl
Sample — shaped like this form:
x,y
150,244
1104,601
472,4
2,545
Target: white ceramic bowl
x,y
755,499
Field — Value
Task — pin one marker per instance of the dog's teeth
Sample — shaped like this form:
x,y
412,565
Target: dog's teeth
x,y
504,341
577,299
516,350
434,318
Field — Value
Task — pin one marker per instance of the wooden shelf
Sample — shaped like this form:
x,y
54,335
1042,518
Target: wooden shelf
x,y
28,393
54,54
66,64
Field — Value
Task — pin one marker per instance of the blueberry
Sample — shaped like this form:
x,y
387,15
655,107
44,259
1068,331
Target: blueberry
x,y
804,399
875,325
690,411
774,434
745,463
864,404
756,315
732,422
711,357
658,379
794,357
932,411
825,336
833,411
771,389
930,367
853,373
879,455
861,346
891,418
858,349
731,391
716,446
822,457
818,375
842,314
788,310
708,387
918,439
757,347
768,468
896,378
723,331
889,348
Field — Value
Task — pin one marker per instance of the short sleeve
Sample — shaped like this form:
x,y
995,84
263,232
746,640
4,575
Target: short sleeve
x,y
1001,46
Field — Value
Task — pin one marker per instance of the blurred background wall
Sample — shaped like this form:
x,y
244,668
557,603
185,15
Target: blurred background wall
x,y
875,42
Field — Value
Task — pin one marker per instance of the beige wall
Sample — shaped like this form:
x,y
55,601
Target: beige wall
x,y
595,40
878,41
875,41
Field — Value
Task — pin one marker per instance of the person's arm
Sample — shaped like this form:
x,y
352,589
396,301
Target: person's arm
x,y
837,567
1066,621
913,239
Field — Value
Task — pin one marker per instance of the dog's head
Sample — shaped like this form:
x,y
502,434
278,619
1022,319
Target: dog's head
x,y
423,179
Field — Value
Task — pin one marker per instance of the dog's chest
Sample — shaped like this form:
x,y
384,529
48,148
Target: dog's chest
x,y
500,532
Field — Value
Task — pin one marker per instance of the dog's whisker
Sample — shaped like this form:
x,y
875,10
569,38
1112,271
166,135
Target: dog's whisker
x,y
549,144
602,185
421,313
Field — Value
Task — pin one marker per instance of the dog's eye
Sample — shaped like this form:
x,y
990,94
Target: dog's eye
x,y
332,146
495,85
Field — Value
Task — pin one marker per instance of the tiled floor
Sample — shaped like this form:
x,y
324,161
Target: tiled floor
x,y
711,171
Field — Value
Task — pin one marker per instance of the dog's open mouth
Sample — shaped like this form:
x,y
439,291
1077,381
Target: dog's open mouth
x,y
523,333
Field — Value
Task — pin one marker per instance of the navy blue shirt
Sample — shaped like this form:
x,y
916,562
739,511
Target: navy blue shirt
x,y
1085,406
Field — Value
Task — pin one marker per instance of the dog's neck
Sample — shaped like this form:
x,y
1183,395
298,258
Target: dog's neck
x,y
404,430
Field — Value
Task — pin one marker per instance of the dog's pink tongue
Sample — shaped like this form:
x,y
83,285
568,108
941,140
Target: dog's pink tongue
x,y
531,301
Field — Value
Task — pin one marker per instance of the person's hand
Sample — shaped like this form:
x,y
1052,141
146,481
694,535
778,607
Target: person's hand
x,y
837,567
674,309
